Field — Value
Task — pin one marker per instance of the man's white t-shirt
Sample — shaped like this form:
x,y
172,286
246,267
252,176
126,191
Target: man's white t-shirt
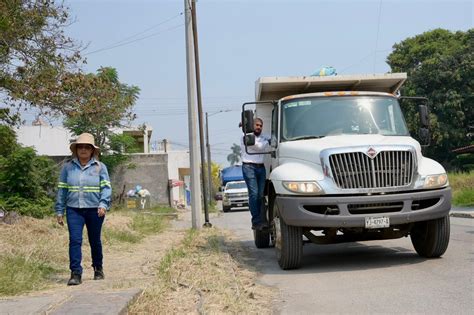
x,y
261,145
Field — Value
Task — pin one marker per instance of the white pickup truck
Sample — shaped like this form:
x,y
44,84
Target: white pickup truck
x,y
235,196
343,166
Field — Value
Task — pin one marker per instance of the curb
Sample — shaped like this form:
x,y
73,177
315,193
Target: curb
x,y
132,300
462,215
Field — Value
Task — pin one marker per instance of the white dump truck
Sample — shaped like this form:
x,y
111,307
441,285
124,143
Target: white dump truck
x,y
343,167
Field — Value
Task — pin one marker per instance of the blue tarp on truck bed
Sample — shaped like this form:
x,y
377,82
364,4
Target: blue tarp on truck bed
x,y
231,174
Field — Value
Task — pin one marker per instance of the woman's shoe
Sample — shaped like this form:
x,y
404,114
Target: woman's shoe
x,y
75,279
98,273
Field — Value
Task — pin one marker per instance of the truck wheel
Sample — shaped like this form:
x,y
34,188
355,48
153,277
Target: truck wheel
x,y
430,238
225,209
261,238
288,242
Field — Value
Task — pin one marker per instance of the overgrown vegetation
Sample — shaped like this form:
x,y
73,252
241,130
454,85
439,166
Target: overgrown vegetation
x,y
135,225
463,188
21,274
27,181
36,263
205,275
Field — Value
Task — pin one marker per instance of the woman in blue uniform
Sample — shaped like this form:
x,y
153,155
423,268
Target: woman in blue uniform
x,y
84,193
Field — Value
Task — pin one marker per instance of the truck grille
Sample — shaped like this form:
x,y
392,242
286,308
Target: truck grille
x,y
387,169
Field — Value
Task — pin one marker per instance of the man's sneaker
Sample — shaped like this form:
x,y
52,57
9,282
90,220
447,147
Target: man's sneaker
x,y
75,279
98,273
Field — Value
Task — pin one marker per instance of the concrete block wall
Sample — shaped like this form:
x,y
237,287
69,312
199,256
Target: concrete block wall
x,y
147,170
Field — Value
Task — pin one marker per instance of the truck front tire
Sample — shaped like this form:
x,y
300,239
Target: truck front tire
x,y
288,242
431,238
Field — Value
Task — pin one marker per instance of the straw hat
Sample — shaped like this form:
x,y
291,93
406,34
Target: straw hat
x,y
84,138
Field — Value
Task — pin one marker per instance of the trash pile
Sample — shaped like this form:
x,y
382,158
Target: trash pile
x,y
138,192
138,198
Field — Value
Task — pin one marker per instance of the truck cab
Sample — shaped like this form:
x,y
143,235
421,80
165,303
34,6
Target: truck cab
x,y
343,166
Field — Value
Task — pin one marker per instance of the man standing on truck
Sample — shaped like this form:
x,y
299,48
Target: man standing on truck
x,y
254,173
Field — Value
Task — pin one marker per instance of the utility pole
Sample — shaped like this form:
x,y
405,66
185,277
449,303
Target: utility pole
x,y
201,132
208,147
196,208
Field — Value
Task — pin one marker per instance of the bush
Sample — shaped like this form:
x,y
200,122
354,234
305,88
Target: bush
x,y
38,208
27,181
463,188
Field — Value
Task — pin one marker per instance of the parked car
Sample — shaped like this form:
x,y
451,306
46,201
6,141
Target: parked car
x,y
235,196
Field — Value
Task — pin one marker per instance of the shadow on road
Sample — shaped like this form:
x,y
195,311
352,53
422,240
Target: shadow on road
x,y
332,258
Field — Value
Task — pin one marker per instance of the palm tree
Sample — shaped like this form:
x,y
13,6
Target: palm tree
x,y
234,157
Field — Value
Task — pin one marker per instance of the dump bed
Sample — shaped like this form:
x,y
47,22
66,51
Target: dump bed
x,y
231,174
274,88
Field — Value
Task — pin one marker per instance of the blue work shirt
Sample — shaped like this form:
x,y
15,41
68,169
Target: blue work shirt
x,y
83,186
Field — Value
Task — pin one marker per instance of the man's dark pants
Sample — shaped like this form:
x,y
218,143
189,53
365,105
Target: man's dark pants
x,y
76,218
254,176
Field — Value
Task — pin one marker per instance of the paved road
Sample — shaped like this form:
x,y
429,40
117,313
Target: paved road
x,y
369,277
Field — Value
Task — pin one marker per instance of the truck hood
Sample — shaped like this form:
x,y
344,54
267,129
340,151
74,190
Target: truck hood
x,y
309,150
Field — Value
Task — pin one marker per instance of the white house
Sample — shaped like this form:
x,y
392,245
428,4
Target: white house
x,y
47,140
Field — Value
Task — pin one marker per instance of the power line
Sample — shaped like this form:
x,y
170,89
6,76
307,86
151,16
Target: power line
x,y
362,59
141,32
145,30
135,40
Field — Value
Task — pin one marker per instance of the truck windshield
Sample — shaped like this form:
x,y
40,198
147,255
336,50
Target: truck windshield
x,y
236,185
318,117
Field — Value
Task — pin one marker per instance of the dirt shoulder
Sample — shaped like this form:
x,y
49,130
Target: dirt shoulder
x,y
176,270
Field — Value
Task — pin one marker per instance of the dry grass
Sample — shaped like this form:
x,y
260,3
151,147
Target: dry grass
x,y
34,252
202,276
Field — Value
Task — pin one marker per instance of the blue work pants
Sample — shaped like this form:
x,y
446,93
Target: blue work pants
x,y
76,218
255,176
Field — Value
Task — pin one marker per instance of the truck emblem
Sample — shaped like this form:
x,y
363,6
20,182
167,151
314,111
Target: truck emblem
x,y
371,152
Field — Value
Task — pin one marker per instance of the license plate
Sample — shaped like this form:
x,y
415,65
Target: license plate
x,y
240,204
377,222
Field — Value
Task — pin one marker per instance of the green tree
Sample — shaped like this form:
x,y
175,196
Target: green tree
x,y
440,66
234,157
102,103
215,175
35,55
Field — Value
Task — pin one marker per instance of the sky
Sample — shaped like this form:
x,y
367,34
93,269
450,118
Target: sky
x,y
240,41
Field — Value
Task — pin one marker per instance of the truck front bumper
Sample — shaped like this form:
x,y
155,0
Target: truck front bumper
x,y
351,211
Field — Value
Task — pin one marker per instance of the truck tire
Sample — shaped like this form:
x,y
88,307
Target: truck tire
x,y
430,238
288,242
261,238
225,209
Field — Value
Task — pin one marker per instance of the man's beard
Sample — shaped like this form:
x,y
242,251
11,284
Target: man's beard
x,y
257,133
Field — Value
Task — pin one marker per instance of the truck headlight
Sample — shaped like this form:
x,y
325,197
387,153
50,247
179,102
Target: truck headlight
x,y
435,181
303,187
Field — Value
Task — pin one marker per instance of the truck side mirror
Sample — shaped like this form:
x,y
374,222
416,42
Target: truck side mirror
x,y
249,139
424,116
247,121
